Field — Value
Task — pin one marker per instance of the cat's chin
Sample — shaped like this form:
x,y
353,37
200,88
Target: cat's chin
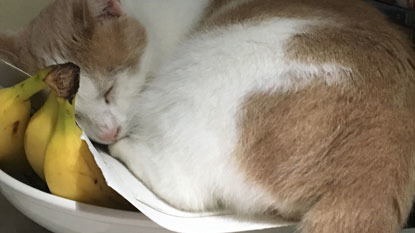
x,y
103,142
99,140
107,142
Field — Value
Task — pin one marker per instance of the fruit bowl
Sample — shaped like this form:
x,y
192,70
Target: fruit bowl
x,y
62,215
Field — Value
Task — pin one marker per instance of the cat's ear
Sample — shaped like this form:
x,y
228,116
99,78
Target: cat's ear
x,y
90,11
87,13
105,8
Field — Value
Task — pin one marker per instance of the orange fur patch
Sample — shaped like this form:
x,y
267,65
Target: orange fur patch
x,y
340,156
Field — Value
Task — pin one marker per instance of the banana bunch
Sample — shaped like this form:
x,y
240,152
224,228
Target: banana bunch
x,y
69,167
52,140
14,114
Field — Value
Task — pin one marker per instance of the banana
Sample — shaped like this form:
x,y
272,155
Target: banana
x,y
14,116
38,133
69,166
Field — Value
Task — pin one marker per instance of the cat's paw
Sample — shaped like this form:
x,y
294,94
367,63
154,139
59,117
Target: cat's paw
x,y
122,148
133,154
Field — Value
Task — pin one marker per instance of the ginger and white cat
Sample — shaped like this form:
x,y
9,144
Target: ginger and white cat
x,y
303,108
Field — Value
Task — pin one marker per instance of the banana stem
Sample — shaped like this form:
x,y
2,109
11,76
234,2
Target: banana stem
x,y
32,85
51,98
66,115
64,80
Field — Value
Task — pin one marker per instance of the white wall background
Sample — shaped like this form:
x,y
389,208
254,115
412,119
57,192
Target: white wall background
x,y
14,13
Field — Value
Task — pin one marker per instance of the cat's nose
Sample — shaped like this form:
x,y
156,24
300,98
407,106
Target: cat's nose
x,y
110,135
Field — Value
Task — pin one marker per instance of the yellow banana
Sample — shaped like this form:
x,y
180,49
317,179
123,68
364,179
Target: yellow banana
x,y
14,116
38,133
69,167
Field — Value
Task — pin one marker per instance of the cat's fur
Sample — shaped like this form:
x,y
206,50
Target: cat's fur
x,y
303,108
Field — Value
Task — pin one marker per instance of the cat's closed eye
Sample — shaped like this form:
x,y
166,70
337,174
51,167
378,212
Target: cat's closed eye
x,y
107,95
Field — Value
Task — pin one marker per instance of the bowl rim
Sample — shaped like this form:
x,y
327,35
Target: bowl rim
x,y
92,212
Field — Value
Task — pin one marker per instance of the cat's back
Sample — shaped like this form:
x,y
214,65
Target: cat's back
x,y
279,91
339,41
329,31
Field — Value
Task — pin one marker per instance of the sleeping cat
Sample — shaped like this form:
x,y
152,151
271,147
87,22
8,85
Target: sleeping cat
x,y
302,108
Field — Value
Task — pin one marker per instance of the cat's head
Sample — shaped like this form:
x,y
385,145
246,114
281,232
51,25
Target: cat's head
x,y
106,44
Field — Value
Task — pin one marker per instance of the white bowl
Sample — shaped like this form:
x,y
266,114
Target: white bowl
x,y
62,215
